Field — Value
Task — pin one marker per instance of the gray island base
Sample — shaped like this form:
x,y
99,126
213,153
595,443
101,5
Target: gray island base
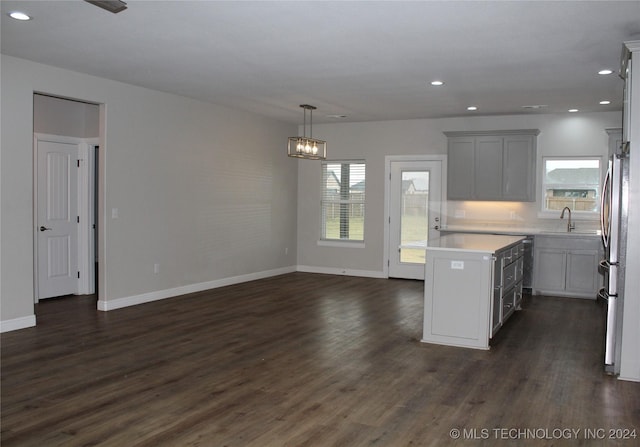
x,y
473,284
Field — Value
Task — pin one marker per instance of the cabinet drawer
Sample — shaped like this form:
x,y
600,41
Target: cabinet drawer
x,y
509,255
567,242
509,277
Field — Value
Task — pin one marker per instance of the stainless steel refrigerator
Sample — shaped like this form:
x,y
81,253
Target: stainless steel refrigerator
x,y
614,225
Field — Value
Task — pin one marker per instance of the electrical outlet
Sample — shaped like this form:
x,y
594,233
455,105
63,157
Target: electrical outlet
x,y
460,214
156,268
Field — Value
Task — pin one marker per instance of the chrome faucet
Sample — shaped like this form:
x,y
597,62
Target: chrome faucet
x,y
570,226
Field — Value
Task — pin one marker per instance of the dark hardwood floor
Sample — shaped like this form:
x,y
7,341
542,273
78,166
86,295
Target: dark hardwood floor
x,y
307,360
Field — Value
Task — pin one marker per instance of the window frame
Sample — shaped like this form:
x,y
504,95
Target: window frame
x,y
577,214
341,242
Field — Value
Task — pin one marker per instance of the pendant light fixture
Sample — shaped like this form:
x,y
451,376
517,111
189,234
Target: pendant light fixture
x,y
114,6
307,146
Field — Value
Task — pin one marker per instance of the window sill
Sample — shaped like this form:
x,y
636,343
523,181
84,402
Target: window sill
x,y
341,244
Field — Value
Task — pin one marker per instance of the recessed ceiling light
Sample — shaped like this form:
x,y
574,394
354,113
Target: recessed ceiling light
x,y
19,15
437,83
472,108
572,110
605,72
337,117
604,103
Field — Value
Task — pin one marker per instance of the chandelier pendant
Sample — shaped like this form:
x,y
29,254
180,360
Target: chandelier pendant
x,y
306,146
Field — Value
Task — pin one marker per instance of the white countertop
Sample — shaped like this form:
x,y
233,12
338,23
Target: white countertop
x,y
478,243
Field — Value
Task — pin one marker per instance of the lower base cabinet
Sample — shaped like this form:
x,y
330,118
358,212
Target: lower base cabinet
x,y
567,266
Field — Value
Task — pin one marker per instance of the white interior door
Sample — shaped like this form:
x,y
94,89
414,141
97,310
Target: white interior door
x,y
415,199
57,226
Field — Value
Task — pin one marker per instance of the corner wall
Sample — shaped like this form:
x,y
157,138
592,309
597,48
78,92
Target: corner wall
x,y
204,191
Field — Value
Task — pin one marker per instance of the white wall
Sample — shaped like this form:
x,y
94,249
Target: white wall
x,y
205,191
630,363
564,134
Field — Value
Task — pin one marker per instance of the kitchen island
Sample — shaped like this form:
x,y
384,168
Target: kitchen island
x,y
473,283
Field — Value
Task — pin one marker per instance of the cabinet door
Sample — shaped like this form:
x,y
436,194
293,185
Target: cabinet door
x,y
460,168
550,268
488,168
582,272
518,179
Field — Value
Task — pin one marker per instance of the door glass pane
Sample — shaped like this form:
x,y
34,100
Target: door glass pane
x,y
414,216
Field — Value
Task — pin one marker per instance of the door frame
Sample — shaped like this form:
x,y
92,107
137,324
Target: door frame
x,y
387,196
87,200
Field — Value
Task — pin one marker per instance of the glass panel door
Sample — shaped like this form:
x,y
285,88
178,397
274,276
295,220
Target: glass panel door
x,y
414,205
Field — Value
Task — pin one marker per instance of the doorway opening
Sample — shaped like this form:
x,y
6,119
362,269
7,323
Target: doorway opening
x,y
66,144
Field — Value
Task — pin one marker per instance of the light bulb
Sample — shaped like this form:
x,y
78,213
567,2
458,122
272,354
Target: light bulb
x,y
299,147
19,16
315,148
307,148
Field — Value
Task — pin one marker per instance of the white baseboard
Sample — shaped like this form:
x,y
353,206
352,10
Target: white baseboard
x,y
127,301
17,323
339,271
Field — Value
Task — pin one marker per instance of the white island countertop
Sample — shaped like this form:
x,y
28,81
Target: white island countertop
x,y
478,243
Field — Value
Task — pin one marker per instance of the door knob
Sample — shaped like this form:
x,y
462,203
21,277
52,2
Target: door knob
x,y
43,228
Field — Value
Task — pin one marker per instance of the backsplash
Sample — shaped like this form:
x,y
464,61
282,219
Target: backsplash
x,y
510,215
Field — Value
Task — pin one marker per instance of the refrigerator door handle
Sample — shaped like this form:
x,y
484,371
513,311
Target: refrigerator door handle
x,y
605,295
602,293
604,265
605,203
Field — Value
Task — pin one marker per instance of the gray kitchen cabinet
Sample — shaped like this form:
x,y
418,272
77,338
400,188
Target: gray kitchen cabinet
x,y
492,165
566,266
460,166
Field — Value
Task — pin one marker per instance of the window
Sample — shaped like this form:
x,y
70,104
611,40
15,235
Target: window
x,y
572,182
343,185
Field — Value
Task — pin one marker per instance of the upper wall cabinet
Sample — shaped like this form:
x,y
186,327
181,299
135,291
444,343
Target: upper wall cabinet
x,y
492,165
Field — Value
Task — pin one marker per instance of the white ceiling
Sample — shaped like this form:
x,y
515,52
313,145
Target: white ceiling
x,y
364,59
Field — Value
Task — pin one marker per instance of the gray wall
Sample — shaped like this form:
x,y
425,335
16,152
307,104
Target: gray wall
x,y
205,191
563,134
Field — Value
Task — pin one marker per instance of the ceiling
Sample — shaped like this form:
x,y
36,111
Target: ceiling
x,y
367,60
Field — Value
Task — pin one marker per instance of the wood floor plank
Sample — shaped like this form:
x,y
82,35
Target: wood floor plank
x,y
302,360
